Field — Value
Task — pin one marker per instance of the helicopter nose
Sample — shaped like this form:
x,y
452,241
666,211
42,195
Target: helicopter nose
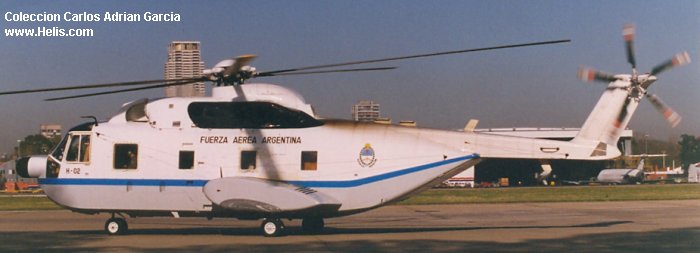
x,y
32,167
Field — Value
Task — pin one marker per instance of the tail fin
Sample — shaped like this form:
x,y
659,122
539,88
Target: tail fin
x,y
610,117
640,166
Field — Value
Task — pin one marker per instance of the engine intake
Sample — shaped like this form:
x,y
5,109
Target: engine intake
x,y
32,167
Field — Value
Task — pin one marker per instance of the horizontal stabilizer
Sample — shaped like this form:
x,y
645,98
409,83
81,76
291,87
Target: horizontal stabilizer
x,y
253,195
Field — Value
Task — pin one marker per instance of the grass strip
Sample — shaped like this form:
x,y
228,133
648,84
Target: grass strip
x,y
479,195
555,194
9,203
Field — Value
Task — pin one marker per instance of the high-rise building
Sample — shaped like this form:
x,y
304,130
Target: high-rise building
x,y
184,60
365,110
50,130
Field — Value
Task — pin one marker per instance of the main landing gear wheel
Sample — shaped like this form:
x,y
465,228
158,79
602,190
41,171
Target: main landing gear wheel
x,y
272,227
312,225
116,226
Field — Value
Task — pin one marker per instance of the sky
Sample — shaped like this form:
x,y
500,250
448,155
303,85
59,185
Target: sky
x,y
522,87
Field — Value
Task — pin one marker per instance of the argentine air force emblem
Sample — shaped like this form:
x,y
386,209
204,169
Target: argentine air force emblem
x,y
367,158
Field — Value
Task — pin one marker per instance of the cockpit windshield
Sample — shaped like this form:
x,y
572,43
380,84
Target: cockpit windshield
x,y
256,115
58,151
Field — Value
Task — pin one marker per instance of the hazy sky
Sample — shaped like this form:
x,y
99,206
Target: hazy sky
x,y
525,87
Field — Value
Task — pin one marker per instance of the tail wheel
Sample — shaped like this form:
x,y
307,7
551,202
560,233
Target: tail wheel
x,y
272,227
312,225
116,226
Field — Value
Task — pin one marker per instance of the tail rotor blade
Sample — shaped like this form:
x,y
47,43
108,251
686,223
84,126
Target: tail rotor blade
x,y
622,115
590,75
628,34
669,114
677,60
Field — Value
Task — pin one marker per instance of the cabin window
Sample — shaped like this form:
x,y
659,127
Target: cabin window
x,y
79,148
309,160
255,115
186,160
248,159
126,156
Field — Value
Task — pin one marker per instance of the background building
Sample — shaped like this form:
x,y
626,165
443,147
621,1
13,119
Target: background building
x,y
409,123
10,181
184,60
366,111
50,130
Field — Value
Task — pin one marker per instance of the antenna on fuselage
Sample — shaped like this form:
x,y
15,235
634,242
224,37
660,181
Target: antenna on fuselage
x,y
91,117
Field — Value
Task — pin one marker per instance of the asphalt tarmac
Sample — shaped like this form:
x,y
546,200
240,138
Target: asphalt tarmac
x,y
639,226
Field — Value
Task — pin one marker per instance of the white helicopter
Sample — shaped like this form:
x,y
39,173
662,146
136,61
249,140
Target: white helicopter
x,y
258,151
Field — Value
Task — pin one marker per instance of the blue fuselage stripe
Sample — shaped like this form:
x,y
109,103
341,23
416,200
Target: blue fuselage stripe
x,y
372,179
123,182
201,183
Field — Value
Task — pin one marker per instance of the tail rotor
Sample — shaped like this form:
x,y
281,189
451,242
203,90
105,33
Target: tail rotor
x,y
637,84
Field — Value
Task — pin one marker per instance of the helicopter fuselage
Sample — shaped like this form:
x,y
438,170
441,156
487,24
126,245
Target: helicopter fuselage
x,y
360,165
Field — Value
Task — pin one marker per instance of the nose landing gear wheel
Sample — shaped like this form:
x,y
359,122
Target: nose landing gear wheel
x,y
116,226
272,227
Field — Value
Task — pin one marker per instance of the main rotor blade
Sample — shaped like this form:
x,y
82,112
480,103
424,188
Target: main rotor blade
x,y
415,56
671,116
589,75
628,34
324,71
105,85
184,82
677,60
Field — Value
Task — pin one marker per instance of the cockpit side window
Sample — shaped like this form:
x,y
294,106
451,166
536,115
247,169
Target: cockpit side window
x,y
85,149
252,115
72,154
79,148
